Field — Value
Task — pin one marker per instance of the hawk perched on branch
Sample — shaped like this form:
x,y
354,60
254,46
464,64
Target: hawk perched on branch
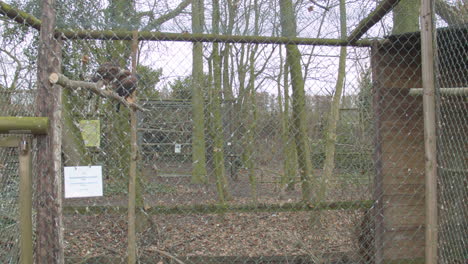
x,y
107,72
125,84
121,81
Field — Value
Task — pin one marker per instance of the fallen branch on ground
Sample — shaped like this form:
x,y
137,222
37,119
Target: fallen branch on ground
x,y
164,253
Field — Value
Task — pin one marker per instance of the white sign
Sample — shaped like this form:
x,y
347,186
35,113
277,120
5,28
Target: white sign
x,y
83,181
177,148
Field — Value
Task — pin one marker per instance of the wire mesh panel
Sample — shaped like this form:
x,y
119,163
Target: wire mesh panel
x,y
9,194
235,131
452,149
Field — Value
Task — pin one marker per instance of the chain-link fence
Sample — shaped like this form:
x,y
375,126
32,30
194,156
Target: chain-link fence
x,y
452,144
233,131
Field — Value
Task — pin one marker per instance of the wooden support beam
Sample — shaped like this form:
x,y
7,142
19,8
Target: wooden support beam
x,y
60,79
25,200
132,181
186,37
24,125
428,60
19,16
28,19
375,16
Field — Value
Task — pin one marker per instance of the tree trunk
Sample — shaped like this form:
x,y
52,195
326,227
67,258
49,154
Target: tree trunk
x,y
199,174
217,125
227,87
251,120
74,149
288,25
290,160
283,120
49,228
334,114
406,16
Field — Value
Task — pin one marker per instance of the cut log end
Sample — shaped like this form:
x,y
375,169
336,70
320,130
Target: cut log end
x,y
53,78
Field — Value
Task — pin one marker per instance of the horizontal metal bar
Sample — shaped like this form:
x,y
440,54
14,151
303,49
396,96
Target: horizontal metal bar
x,y
443,91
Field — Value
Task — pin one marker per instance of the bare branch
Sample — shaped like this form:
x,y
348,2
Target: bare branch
x,y
154,24
164,253
326,8
449,14
18,68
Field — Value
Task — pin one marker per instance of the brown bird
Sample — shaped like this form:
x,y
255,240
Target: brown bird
x,y
125,84
107,72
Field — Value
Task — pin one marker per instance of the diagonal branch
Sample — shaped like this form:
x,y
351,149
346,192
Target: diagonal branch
x,y
153,24
449,13
375,16
57,78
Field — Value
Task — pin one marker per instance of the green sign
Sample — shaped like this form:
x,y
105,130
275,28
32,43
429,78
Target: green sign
x,y
90,131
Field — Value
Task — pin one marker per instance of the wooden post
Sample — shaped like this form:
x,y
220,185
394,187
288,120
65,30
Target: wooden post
x,y
25,201
49,228
428,53
378,210
133,167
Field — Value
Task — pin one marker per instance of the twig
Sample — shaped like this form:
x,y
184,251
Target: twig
x,y
165,254
57,78
108,248
321,6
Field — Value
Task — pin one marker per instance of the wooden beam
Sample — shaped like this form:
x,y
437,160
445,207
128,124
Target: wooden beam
x,y
428,59
25,201
60,79
24,125
27,19
375,16
378,209
186,37
132,181
19,16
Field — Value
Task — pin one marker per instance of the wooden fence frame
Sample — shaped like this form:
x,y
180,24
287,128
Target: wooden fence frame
x,y
33,126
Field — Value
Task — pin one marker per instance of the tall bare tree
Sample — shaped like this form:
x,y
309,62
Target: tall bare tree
x,y
217,122
199,174
406,16
334,114
293,56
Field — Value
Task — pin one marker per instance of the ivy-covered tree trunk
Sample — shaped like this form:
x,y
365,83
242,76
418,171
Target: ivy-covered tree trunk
x,y
73,147
288,25
227,83
116,129
251,120
217,121
330,132
406,16
289,145
199,174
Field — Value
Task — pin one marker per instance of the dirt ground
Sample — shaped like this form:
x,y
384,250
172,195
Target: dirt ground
x,y
245,235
